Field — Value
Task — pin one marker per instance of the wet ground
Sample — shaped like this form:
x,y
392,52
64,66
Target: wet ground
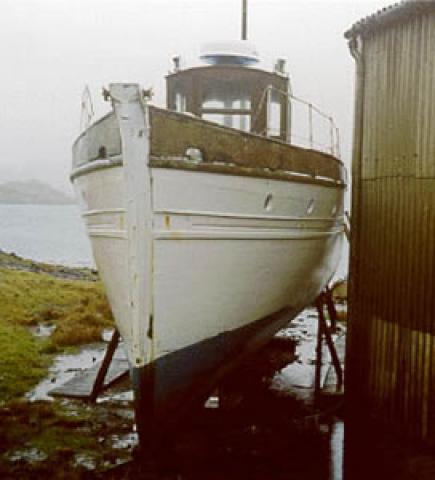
x,y
266,425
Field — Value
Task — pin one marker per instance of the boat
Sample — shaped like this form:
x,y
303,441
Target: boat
x,y
209,228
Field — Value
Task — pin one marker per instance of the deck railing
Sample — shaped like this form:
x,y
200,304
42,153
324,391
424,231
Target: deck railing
x,y
309,127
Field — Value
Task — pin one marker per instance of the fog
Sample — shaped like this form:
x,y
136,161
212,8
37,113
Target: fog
x,y
50,49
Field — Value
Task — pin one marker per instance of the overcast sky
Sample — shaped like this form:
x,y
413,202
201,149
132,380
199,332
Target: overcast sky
x,y
50,49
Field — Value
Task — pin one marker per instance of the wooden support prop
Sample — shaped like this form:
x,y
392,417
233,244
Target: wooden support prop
x,y
332,312
319,359
325,298
102,372
347,225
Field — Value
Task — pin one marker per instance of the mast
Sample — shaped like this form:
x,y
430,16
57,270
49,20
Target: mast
x,y
244,20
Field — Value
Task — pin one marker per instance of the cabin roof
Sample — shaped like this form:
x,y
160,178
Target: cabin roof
x,y
389,15
249,69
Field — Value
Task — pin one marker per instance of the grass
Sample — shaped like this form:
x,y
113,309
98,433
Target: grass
x,y
22,359
33,294
60,431
78,308
44,424
73,300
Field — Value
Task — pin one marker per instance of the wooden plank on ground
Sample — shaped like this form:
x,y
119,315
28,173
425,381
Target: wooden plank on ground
x,y
81,385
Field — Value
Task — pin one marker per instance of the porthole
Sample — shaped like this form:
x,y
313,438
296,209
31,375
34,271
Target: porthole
x,y
268,204
310,207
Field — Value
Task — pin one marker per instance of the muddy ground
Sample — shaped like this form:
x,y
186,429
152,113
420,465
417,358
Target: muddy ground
x,y
266,428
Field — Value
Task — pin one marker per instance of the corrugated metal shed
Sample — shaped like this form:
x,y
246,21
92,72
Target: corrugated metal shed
x,y
400,11
391,344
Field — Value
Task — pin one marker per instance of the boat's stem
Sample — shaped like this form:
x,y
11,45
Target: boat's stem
x,y
132,117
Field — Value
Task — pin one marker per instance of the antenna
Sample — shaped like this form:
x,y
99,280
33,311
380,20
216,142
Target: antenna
x,y
244,20
87,109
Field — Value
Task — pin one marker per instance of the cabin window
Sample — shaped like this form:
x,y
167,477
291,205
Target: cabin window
x,y
229,111
274,114
241,122
233,103
227,103
180,102
213,103
243,103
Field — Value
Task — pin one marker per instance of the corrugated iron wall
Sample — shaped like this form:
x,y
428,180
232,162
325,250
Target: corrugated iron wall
x,y
391,345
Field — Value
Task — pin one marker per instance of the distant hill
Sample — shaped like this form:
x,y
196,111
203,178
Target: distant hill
x,y
32,192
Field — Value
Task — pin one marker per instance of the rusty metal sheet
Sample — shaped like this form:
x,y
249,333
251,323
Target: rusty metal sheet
x,y
393,14
392,303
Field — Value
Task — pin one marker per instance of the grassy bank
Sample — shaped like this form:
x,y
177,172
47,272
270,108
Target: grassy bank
x,y
55,440
50,439
71,300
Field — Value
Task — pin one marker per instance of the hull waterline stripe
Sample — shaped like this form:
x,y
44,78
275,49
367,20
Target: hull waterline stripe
x,y
232,216
95,165
90,213
251,235
189,235
248,216
107,233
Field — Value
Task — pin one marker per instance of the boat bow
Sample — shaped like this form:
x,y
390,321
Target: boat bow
x,y
133,119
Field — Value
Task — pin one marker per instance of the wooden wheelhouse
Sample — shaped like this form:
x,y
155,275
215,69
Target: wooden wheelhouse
x,y
232,93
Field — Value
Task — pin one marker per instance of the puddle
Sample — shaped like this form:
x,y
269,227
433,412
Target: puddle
x,y
128,441
106,334
29,455
85,461
64,368
122,397
299,375
212,402
43,330
297,378
336,450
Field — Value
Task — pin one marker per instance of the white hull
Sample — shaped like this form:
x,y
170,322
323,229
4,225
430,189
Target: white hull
x,y
188,255
220,258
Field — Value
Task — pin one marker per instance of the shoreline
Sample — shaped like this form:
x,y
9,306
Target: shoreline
x,y
12,261
69,302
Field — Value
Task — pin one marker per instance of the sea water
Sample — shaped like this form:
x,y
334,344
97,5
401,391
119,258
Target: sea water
x,y
46,233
